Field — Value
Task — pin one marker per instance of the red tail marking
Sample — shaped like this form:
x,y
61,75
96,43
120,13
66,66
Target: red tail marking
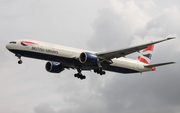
x,y
142,60
150,48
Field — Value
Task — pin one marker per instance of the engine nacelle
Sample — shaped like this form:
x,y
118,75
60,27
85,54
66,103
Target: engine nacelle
x,y
54,67
88,58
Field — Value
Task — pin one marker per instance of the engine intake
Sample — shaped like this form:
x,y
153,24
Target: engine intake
x,y
88,58
54,67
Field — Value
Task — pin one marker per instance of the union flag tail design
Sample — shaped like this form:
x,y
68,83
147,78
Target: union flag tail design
x,y
146,54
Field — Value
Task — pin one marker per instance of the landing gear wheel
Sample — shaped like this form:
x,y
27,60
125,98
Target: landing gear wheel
x,y
20,62
19,57
100,71
75,75
83,77
79,75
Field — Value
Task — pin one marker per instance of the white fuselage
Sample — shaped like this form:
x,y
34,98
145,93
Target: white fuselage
x,y
69,56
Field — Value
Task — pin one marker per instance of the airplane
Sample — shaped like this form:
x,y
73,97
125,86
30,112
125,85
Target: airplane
x,y
61,57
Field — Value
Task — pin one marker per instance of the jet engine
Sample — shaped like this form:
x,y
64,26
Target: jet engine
x,y
88,58
54,67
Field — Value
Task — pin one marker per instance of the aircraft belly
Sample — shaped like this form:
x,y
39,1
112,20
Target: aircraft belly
x,y
123,66
120,69
42,56
118,66
70,62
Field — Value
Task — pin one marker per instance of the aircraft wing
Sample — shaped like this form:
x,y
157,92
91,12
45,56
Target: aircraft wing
x,y
123,52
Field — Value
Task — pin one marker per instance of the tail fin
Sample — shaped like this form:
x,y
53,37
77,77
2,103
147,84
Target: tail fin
x,y
146,54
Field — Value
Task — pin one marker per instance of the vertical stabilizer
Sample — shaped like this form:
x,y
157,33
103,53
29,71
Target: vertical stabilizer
x,y
146,54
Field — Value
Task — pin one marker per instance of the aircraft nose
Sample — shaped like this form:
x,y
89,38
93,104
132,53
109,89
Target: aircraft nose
x,y
7,46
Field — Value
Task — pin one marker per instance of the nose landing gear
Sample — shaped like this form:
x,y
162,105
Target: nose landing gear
x,y
20,62
19,57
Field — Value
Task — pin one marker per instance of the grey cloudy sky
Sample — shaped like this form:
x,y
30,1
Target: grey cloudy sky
x,y
98,25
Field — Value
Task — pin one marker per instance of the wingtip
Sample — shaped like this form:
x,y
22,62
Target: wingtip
x,y
171,62
171,38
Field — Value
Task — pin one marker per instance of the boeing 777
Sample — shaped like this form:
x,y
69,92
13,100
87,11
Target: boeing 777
x,y
61,57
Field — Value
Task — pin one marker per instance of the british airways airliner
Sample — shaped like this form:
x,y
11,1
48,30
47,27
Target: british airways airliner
x,y
61,57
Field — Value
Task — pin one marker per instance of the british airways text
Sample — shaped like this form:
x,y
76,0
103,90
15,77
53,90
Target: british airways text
x,y
45,50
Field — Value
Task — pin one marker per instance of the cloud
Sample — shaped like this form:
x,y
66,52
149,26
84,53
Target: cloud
x,y
149,92
148,4
115,25
45,108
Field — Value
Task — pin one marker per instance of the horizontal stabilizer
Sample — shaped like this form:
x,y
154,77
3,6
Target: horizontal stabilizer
x,y
160,64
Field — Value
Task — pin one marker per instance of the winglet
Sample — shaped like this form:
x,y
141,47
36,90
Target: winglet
x,y
171,38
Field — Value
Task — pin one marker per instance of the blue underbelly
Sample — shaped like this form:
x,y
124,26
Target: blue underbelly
x,y
70,61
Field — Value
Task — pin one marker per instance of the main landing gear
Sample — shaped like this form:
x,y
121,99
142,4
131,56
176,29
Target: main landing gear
x,y
79,75
19,57
100,71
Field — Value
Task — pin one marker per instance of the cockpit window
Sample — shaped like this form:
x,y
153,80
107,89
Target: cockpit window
x,y
13,42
